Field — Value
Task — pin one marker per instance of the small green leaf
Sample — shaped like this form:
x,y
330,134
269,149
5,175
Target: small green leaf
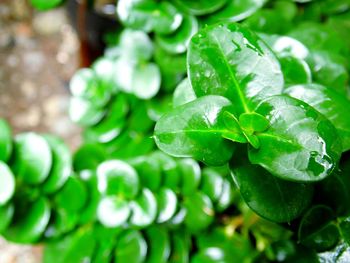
x,y
191,175
143,209
183,93
178,41
201,7
5,141
29,225
146,81
75,191
212,184
181,246
7,183
235,11
253,122
6,215
149,15
61,165
200,212
305,148
219,63
88,157
116,177
33,158
83,112
159,244
113,211
328,102
195,130
270,197
131,247
166,205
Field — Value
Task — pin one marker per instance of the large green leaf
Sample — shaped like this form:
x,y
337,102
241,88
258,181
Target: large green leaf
x,y
231,61
300,144
195,130
330,103
270,197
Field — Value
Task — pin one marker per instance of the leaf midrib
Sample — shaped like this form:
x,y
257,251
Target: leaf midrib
x,y
234,79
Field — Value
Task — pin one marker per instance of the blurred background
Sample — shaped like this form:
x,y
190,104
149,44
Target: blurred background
x,y
39,52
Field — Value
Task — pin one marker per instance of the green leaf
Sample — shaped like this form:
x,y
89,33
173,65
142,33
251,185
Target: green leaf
x,y
6,215
306,147
88,157
270,197
191,175
295,71
61,165
83,112
200,7
345,229
235,10
113,211
43,5
146,81
61,222
143,209
181,246
200,212
84,84
212,184
328,102
79,246
316,230
159,244
116,177
5,141
136,45
253,122
149,15
33,158
166,204
226,197
7,184
29,225
131,247
220,60
183,93
195,130
75,191
178,41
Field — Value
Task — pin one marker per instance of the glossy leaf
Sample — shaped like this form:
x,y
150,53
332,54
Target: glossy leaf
x,y
143,209
195,130
148,15
178,42
183,93
236,11
28,227
146,81
200,213
33,158
6,215
61,165
270,197
212,184
88,156
191,175
83,112
7,183
328,102
306,145
131,247
159,244
295,71
219,63
117,178
201,7
5,141
113,211
166,205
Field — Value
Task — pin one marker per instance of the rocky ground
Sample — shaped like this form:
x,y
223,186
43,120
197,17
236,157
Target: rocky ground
x,y
38,55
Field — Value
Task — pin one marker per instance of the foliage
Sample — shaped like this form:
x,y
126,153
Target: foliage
x,y
257,91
